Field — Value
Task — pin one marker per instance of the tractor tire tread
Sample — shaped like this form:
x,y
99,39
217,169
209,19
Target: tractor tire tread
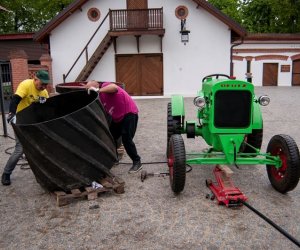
x,y
179,167
292,175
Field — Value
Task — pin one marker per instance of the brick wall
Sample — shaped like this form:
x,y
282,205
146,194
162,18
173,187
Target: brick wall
x,y
21,70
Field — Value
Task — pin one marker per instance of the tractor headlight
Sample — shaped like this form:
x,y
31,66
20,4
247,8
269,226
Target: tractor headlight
x,y
199,102
264,100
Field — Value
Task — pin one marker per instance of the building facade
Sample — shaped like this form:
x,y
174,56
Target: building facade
x,y
154,47
268,59
141,43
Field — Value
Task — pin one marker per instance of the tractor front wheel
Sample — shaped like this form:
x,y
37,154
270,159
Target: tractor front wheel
x,y
173,124
177,163
286,177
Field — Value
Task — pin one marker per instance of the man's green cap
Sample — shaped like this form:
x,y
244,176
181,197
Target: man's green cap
x,y
43,76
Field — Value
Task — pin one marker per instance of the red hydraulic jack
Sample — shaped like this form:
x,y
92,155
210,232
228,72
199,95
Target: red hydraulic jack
x,y
224,190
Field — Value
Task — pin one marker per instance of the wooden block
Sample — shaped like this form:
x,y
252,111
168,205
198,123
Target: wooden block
x,y
59,193
118,184
76,193
105,183
92,194
119,189
119,180
62,198
121,151
228,172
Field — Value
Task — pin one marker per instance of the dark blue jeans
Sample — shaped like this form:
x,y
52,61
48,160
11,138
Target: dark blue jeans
x,y
126,130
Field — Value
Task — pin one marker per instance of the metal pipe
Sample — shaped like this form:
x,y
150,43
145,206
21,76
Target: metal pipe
x,y
231,56
2,106
286,234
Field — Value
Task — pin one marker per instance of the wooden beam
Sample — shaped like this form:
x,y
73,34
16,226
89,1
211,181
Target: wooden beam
x,y
137,32
115,43
138,43
161,48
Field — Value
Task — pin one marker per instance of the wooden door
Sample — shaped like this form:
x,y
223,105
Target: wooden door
x,y
151,74
137,4
296,73
142,73
270,74
137,17
127,73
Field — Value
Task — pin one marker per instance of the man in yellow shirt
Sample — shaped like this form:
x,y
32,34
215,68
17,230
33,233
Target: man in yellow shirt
x,y
28,91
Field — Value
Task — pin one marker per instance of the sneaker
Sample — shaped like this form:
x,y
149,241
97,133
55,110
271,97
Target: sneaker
x,y
136,166
5,179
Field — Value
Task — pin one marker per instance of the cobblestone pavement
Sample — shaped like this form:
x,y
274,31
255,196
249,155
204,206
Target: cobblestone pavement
x,y
148,215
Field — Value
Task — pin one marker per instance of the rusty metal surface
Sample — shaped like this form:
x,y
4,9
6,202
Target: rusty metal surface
x,y
75,86
66,140
69,86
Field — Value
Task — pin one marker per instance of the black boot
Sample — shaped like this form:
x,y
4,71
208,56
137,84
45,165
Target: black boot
x,y
136,166
5,179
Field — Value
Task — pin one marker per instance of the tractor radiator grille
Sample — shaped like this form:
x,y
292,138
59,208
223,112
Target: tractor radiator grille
x,y
232,109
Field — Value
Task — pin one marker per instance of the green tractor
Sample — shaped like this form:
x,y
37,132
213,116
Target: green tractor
x,y
229,119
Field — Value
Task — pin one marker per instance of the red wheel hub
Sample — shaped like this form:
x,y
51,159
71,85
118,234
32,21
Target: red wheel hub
x,y
171,164
278,173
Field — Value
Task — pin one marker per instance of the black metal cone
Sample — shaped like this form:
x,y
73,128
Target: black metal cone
x,y
67,141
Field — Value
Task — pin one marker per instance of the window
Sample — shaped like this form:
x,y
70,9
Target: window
x,y
181,12
94,14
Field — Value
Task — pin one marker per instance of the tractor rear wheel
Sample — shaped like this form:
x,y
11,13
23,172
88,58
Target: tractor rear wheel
x,y
254,139
177,163
173,125
286,177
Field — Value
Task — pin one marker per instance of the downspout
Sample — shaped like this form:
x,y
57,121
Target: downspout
x,y
231,56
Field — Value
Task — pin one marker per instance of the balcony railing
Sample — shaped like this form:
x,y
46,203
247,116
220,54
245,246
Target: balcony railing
x,y
137,19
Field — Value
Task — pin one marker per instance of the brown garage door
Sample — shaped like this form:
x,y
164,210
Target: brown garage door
x,y
142,73
270,74
296,73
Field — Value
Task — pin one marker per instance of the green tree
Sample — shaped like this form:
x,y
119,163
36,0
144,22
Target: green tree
x,y
230,8
28,15
273,16
263,16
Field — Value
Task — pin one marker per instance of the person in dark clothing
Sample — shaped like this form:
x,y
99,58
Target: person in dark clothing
x,y
124,113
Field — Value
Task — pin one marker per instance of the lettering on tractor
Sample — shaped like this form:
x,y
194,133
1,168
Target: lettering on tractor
x,y
229,119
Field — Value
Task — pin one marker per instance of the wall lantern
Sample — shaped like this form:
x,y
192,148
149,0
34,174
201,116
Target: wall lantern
x,y
184,32
181,13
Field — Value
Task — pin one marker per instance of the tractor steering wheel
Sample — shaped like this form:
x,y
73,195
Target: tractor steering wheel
x,y
215,75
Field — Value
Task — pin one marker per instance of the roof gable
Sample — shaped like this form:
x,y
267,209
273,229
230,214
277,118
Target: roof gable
x,y
43,33
233,25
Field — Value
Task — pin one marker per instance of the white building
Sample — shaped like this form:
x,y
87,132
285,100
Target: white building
x,y
139,42
270,59
143,42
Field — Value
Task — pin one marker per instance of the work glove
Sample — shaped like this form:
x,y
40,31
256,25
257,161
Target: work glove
x,y
92,89
11,118
42,99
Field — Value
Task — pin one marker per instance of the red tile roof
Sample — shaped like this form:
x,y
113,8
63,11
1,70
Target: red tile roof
x,y
272,37
16,36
